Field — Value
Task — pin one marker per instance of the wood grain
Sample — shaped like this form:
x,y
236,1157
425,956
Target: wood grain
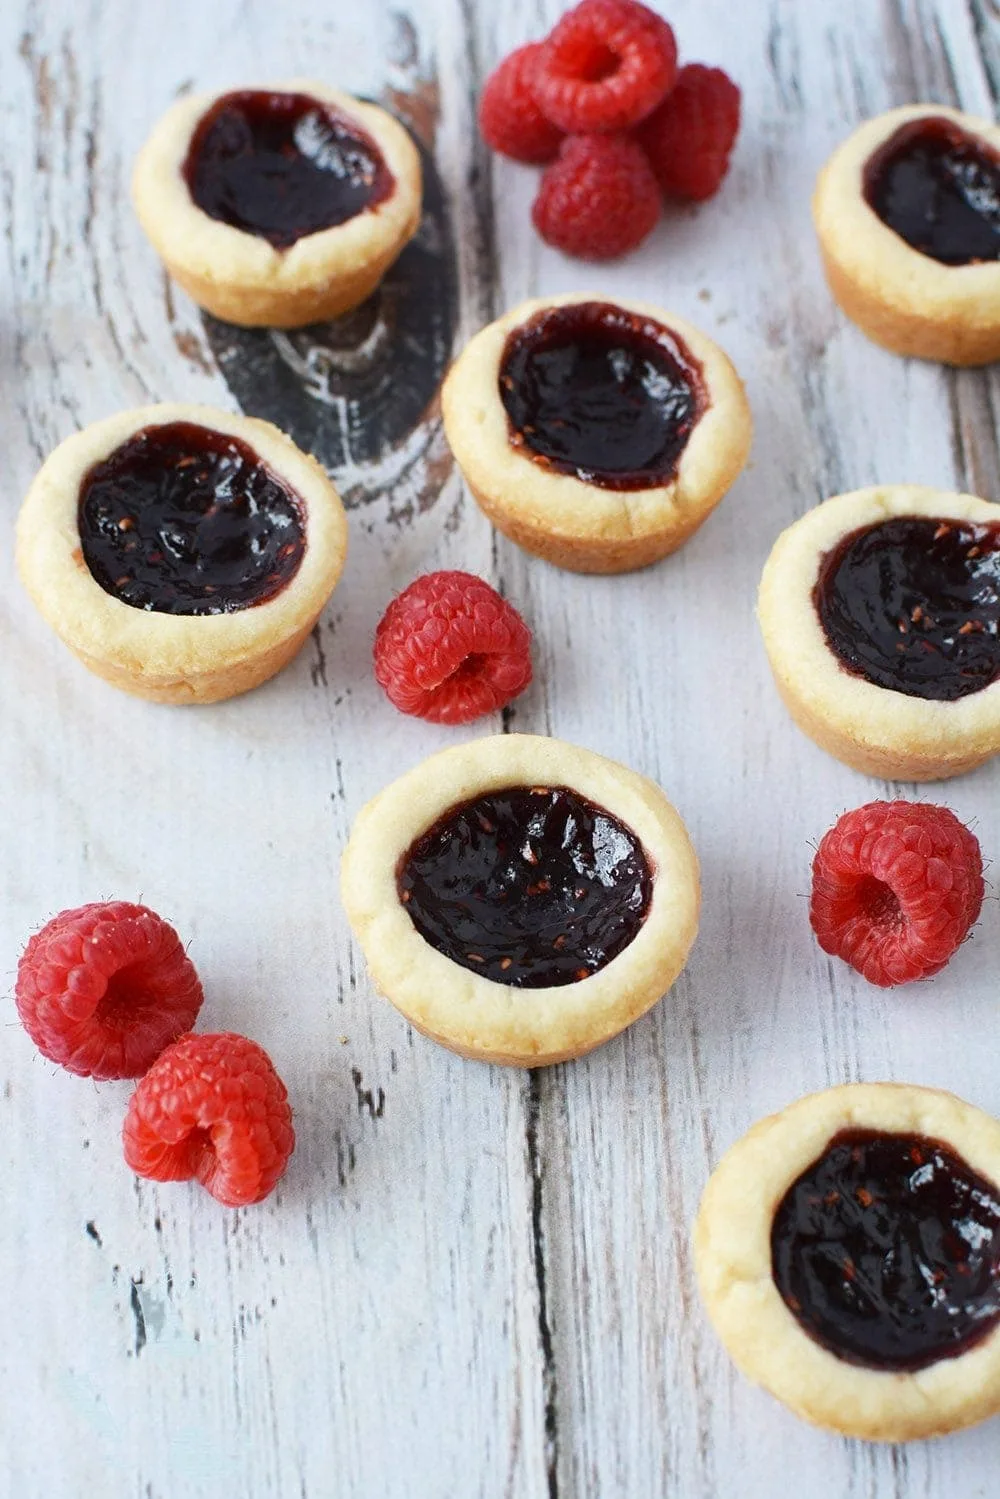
x,y
472,1282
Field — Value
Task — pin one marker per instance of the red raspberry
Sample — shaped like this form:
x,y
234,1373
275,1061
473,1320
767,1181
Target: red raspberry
x,y
606,65
599,199
509,119
104,988
449,649
212,1108
689,138
896,887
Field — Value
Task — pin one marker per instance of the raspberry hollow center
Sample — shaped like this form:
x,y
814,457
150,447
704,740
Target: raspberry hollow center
x,y
124,995
601,63
199,1152
879,902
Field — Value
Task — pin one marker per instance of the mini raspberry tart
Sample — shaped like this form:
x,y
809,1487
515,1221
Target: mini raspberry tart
x,y
848,1253
278,206
880,612
908,216
521,900
596,434
182,553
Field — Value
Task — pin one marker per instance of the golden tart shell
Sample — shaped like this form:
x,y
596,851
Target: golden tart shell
x,y
240,277
464,1010
902,299
577,525
171,658
873,729
732,1250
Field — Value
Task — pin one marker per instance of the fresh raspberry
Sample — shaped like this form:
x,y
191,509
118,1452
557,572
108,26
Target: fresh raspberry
x,y
896,887
605,66
449,649
599,199
104,988
509,119
212,1108
689,138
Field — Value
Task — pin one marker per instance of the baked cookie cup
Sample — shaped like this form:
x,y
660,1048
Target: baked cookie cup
x,y
907,212
596,433
521,900
880,613
279,206
848,1253
182,553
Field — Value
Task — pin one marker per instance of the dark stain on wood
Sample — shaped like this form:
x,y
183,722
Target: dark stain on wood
x,y
189,348
373,1102
355,391
317,670
346,1158
138,1316
549,1371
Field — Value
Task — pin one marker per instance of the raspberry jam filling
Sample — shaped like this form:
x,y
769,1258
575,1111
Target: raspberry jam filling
x,y
531,886
599,392
184,520
887,1251
938,188
283,166
913,604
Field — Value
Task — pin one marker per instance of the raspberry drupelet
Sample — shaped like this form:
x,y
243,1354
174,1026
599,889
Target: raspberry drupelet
x,y
450,649
212,1108
103,988
896,888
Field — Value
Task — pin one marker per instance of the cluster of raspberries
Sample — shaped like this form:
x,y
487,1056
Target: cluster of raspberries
x,y
107,991
602,104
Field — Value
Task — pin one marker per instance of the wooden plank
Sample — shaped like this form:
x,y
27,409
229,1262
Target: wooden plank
x,y
472,1282
646,1402
375,1318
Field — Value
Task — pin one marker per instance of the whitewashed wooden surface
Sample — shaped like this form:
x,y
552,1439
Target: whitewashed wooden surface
x,y
472,1282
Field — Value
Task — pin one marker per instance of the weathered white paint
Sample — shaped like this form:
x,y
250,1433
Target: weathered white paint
x,y
470,1283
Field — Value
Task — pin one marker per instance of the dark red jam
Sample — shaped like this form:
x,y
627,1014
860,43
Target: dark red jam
x,y
596,391
913,604
887,1251
184,520
530,886
283,166
938,188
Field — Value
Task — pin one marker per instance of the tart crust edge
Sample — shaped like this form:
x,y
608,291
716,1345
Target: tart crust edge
x,y
163,657
465,1011
575,525
903,300
870,728
240,277
732,1257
